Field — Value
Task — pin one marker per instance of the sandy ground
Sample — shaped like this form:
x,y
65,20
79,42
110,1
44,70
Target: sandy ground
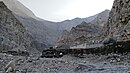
x,y
112,63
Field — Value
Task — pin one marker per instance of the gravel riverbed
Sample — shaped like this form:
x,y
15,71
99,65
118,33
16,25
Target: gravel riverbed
x,y
112,63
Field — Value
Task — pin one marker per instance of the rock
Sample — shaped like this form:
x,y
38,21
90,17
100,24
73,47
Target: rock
x,y
112,61
10,67
66,62
18,72
61,54
82,67
118,59
29,61
118,21
12,31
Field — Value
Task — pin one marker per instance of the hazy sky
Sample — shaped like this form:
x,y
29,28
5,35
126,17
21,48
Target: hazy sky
x,y
58,10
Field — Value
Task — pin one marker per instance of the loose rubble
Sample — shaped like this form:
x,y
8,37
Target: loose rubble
x,y
116,63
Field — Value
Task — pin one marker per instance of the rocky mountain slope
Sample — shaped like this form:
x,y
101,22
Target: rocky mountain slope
x,y
39,29
79,34
18,8
101,18
118,24
12,33
84,32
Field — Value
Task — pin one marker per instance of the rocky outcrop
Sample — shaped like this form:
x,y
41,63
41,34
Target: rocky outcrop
x,y
118,24
85,32
12,33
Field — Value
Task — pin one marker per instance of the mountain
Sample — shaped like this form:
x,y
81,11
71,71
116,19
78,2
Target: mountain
x,y
12,33
40,31
18,8
84,32
118,24
44,33
68,24
101,18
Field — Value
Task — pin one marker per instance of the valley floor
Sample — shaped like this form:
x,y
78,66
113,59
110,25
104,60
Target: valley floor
x,y
112,63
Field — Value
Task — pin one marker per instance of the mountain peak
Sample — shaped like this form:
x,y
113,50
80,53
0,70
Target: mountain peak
x,y
83,23
18,8
106,10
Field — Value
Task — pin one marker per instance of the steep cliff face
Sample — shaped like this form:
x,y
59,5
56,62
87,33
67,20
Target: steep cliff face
x,y
12,32
118,24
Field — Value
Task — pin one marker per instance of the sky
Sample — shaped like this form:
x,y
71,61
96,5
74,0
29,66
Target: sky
x,y
59,10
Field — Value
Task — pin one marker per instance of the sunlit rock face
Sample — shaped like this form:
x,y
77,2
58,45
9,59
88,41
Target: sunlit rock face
x,y
12,33
118,24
